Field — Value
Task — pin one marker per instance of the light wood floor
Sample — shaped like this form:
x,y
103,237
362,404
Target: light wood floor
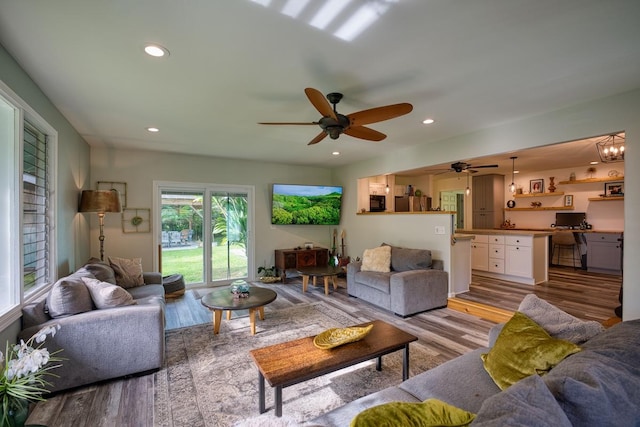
x,y
447,333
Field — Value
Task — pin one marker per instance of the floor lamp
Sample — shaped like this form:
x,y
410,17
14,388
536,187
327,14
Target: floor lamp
x,y
100,202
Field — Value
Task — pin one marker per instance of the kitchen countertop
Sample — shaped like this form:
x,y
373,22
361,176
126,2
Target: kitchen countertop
x,y
506,232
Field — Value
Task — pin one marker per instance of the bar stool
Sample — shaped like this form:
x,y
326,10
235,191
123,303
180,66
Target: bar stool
x,y
564,240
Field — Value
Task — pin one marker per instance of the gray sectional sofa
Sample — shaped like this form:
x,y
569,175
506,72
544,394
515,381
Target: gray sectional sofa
x,y
100,343
415,282
598,386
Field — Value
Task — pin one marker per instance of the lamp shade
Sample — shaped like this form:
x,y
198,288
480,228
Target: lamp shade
x,y
100,201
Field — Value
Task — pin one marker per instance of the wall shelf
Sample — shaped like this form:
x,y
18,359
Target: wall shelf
x,y
591,180
555,193
605,199
542,208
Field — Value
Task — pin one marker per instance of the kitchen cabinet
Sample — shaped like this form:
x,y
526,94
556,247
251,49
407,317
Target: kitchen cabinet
x,y
604,253
480,253
293,259
513,256
488,201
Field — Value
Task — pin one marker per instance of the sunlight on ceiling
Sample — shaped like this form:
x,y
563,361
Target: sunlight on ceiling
x,y
341,18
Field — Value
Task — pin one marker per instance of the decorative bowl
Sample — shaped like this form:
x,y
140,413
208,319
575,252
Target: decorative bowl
x,y
240,289
335,337
269,279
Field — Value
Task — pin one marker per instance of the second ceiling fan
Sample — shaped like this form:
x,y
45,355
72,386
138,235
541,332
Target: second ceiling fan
x,y
334,124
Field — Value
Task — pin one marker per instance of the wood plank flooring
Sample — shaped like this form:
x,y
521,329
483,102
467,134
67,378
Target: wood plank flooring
x,y
445,332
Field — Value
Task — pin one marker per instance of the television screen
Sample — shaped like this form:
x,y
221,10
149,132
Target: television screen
x,y
306,204
573,219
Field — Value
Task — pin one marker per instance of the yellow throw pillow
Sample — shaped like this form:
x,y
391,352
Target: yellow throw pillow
x,y
431,412
524,348
377,259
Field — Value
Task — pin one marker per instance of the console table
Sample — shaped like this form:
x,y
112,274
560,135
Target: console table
x,y
293,259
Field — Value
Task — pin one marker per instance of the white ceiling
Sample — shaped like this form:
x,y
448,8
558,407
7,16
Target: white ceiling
x,y
467,64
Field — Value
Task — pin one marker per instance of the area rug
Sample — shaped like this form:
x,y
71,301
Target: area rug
x,y
212,381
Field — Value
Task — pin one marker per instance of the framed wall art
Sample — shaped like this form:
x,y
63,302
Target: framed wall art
x,y
614,189
536,186
568,200
136,220
121,187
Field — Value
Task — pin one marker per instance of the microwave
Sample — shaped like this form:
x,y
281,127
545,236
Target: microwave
x,y
377,203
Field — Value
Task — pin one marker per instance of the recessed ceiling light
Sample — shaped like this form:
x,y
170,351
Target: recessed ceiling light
x,y
593,163
428,121
156,50
153,129
336,153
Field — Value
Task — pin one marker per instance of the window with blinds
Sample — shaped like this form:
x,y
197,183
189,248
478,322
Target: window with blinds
x,y
35,218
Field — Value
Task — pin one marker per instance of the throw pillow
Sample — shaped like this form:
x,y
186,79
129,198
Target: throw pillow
x,y
106,295
524,348
405,259
68,296
431,412
102,271
377,259
558,323
128,272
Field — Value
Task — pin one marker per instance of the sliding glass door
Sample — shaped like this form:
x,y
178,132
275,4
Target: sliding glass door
x,y
207,242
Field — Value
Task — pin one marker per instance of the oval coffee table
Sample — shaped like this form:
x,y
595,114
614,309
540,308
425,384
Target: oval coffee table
x,y
222,299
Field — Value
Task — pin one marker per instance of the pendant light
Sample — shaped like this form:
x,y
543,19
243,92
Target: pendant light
x,y
512,187
468,190
387,189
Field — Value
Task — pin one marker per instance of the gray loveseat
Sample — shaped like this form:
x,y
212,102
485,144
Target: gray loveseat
x,y
100,344
415,283
598,386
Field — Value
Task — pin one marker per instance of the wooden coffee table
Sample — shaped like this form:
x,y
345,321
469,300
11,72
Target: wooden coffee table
x,y
222,299
325,272
293,362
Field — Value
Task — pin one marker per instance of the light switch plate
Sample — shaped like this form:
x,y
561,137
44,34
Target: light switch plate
x,y
439,229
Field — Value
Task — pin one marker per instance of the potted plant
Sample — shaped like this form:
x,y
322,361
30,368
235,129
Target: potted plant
x,y
268,274
23,369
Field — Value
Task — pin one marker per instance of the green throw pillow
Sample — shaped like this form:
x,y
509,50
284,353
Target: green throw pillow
x,y
430,413
524,348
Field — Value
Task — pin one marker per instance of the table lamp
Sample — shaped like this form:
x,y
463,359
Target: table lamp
x,y
100,202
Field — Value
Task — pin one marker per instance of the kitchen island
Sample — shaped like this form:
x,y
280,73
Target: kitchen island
x,y
519,256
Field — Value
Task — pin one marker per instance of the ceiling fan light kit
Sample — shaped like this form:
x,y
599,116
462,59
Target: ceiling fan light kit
x,y
334,124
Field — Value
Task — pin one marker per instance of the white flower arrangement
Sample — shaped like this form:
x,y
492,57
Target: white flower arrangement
x,y
24,367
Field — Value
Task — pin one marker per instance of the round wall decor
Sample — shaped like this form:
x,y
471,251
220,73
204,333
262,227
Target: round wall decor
x,y
511,204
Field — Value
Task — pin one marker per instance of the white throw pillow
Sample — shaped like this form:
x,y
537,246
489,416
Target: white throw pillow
x,y
377,259
106,295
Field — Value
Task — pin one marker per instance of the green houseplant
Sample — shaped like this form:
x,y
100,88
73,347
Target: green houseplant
x,y
268,274
22,376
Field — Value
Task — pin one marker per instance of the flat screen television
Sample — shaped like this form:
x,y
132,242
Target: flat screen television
x,y
306,204
573,219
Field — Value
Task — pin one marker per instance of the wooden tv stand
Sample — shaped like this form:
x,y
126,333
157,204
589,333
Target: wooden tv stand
x,y
293,259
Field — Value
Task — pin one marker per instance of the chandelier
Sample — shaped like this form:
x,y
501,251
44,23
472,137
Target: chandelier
x,y
611,148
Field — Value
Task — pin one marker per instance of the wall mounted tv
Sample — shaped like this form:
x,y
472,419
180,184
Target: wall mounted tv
x,y
306,204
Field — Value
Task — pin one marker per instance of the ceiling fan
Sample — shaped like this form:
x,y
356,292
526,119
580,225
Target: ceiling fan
x,y
334,124
466,167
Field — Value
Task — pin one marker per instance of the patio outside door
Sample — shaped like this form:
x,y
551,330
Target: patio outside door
x,y
205,242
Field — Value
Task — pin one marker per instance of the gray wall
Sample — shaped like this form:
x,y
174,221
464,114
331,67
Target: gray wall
x,y
73,171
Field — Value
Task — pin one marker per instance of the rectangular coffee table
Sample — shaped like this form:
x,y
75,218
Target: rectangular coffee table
x,y
293,362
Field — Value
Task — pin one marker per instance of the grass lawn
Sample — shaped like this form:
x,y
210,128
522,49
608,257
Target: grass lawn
x,y
188,262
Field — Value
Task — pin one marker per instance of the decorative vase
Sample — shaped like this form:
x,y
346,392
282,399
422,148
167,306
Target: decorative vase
x,y
552,185
15,417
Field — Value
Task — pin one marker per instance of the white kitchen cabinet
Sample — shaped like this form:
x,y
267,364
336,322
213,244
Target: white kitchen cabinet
x,y
511,257
480,253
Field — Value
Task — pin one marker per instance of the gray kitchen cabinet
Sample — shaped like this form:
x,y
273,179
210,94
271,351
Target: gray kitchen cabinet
x,y
604,253
488,201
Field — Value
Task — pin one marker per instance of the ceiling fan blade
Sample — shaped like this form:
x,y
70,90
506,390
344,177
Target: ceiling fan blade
x,y
320,137
320,102
483,166
365,133
287,123
379,114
